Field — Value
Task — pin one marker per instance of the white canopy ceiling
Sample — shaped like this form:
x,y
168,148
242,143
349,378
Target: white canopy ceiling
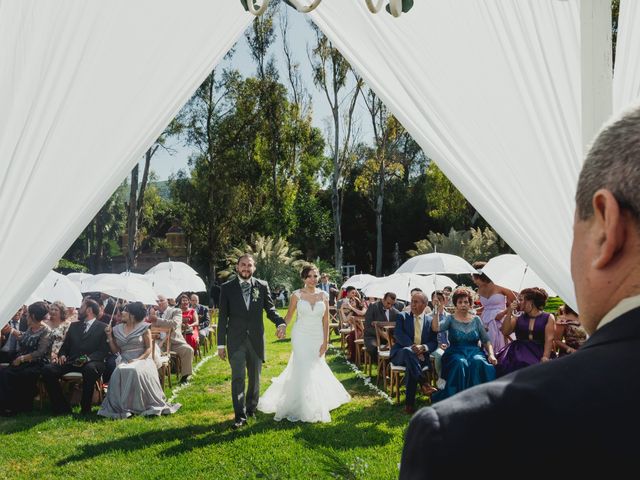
x,y
490,89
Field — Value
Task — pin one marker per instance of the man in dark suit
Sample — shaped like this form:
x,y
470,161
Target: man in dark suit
x,y
83,350
326,286
382,311
241,330
592,394
414,340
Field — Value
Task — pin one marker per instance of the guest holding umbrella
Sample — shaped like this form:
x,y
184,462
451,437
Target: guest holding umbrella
x,y
18,381
464,363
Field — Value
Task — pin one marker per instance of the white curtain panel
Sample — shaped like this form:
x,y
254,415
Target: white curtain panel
x,y
491,91
86,87
626,79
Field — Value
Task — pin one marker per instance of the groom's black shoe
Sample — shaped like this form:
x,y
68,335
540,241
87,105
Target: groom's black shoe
x,y
239,424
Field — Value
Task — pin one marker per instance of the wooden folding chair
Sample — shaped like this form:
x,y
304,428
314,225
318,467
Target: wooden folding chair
x,y
384,350
396,372
162,346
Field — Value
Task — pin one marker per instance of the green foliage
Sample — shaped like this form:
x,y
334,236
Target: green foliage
x,y
552,305
445,202
472,245
276,262
69,266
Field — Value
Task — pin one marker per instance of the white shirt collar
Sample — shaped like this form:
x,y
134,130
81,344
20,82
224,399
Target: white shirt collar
x,y
625,305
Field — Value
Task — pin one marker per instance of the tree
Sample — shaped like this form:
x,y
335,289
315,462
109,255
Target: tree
x,y
381,166
137,190
99,240
445,203
276,262
330,73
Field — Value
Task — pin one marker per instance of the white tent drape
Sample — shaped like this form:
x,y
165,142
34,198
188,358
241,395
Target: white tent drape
x,y
626,80
491,91
86,87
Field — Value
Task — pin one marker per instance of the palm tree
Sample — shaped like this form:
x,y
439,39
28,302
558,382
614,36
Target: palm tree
x,y
276,262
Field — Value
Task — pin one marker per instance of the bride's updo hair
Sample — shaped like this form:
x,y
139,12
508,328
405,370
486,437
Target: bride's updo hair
x,y
310,267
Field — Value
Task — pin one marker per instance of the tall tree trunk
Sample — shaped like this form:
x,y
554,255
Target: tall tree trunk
x,y
132,220
336,201
379,204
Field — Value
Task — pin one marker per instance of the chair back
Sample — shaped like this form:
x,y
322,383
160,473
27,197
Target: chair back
x,y
382,334
161,339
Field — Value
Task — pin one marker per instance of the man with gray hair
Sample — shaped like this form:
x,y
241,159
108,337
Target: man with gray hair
x,y
588,400
167,316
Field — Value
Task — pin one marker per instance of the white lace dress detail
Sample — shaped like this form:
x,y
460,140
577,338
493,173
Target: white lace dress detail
x,y
306,390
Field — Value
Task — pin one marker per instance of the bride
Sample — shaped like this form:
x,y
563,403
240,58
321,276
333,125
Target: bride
x,y
307,389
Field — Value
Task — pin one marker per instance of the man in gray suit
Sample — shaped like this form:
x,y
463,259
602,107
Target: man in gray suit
x,y
167,316
382,311
241,332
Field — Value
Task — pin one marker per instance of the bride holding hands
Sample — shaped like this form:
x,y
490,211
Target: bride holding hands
x,y
307,389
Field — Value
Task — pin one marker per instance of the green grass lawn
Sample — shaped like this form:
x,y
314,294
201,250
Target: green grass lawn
x,y
363,440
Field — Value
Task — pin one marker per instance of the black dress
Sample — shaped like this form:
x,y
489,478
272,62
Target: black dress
x,y
18,383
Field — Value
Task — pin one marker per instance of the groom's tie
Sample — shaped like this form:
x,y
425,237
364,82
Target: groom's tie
x,y
246,292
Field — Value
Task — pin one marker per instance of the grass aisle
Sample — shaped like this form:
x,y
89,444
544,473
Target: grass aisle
x,y
364,439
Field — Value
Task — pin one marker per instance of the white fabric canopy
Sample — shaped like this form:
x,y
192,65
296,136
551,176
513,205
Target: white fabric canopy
x,y
491,91
626,80
86,87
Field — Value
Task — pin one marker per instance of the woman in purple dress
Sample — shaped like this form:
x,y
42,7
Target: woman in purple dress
x,y
534,331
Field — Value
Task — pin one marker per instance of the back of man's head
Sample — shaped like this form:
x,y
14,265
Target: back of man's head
x,y
613,163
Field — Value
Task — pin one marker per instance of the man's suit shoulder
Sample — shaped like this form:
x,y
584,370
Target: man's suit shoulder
x,y
228,283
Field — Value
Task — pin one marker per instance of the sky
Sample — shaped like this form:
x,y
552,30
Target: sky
x,y
301,39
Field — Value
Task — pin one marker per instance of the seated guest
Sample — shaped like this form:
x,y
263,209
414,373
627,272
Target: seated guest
x,y
569,334
535,331
464,364
204,320
407,307
167,316
382,311
59,325
18,381
190,321
9,337
112,316
135,387
438,301
353,307
83,350
414,340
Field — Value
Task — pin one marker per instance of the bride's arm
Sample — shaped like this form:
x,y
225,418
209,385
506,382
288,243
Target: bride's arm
x,y
292,309
325,328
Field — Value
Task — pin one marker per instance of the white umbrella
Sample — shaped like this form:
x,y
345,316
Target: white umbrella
x,y
512,272
57,287
436,263
176,268
80,278
165,287
185,281
136,275
402,283
359,281
126,287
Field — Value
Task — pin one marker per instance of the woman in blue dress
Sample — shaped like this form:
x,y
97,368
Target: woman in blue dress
x,y
464,363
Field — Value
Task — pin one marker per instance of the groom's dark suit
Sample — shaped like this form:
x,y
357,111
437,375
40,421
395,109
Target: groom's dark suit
x,y
241,329
592,394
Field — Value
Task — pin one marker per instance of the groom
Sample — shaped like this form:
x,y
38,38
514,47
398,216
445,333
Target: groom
x,y
240,327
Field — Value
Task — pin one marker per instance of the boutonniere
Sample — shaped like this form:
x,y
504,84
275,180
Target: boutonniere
x,y
255,294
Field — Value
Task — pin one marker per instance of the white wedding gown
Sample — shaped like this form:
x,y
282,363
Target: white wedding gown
x,y
307,389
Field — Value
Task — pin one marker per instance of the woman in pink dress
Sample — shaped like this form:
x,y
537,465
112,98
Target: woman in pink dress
x,y
189,321
494,300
